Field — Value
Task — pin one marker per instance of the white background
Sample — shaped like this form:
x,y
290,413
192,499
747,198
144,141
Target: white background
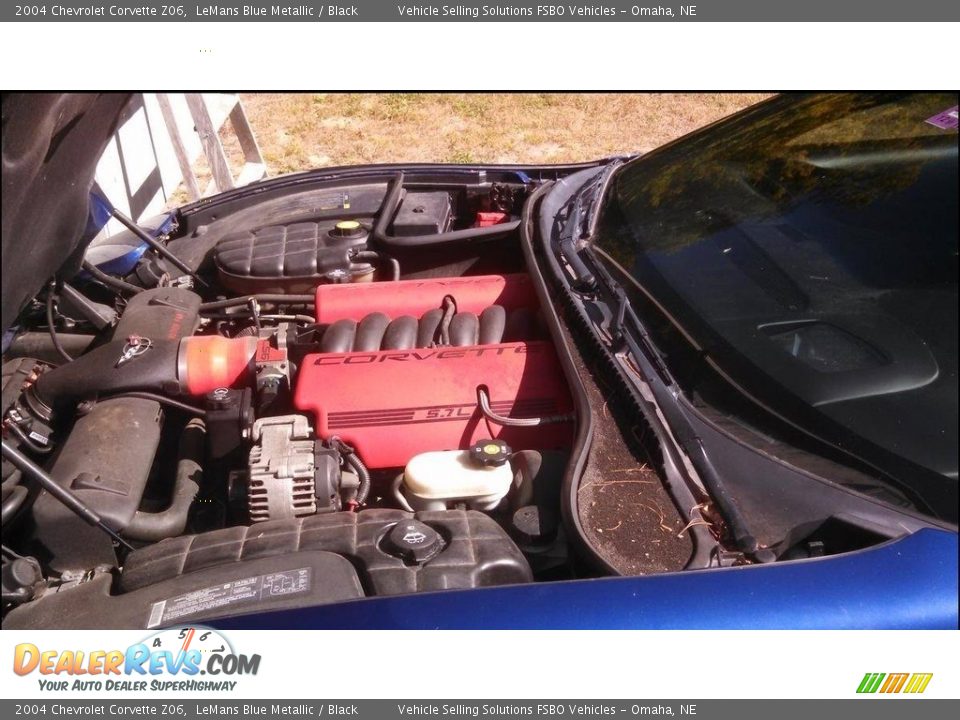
x,y
545,664
629,56
536,56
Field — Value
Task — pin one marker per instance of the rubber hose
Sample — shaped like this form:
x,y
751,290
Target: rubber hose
x,y
583,440
483,399
39,346
158,246
52,326
305,319
263,298
374,256
152,527
449,310
397,493
109,280
391,203
12,503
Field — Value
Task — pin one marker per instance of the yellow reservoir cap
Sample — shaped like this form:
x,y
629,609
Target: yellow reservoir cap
x,y
350,229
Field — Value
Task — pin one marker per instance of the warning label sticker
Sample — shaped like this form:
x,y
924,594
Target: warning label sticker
x,y
333,201
247,590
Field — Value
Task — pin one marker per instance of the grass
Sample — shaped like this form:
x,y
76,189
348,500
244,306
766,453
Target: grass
x,y
303,131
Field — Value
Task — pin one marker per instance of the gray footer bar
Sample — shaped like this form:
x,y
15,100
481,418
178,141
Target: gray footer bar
x,y
482,11
869,708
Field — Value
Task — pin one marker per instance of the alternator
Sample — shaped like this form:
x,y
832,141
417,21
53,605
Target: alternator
x,y
281,478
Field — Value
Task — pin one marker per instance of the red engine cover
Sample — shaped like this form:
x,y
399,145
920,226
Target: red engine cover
x,y
392,405
415,297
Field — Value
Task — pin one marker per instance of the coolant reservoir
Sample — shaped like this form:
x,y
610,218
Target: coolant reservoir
x,y
437,480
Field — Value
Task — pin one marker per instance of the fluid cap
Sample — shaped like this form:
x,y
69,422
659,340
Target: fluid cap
x,y
222,398
347,229
22,572
414,541
490,453
533,525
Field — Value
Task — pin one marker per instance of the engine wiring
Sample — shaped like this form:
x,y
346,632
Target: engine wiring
x,y
52,324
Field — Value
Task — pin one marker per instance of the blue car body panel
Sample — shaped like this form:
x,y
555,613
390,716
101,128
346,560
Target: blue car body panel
x,y
121,262
910,583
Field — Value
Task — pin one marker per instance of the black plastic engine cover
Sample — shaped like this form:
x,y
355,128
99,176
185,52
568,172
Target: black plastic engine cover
x,y
165,313
105,461
294,580
476,550
285,258
423,213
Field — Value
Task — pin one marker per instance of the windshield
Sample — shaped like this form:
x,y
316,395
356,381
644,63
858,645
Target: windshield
x,y
808,250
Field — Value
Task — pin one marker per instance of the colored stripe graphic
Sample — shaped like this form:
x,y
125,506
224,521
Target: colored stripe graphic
x,y
918,682
870,682
893,683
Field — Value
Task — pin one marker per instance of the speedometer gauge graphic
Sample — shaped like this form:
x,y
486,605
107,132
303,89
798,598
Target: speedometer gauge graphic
x,y
184,638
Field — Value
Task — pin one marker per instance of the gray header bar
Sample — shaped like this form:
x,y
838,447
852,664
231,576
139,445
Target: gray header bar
x,y
197,708
490,11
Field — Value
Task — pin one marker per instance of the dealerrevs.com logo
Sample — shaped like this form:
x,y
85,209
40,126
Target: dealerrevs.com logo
x,y
170,660
910,683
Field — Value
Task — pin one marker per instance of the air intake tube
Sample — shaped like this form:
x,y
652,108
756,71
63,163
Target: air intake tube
x,y
190,366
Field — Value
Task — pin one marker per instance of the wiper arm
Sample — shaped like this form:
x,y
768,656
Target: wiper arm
x,y
629,336
583,280
581,224
600,190
638,341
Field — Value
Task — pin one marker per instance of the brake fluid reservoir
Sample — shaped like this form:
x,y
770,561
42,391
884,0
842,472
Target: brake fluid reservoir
x,y
437,480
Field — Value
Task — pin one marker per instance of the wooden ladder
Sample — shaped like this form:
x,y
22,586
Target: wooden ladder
x,y
254,168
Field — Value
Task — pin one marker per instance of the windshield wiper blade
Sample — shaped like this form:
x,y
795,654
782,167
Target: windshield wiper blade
x,y
581,224
599,186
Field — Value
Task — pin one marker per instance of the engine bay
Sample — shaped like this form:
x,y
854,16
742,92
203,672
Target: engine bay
x,y
307,396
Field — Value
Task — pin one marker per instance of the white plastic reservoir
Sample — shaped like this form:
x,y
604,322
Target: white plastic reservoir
x,y
437,480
